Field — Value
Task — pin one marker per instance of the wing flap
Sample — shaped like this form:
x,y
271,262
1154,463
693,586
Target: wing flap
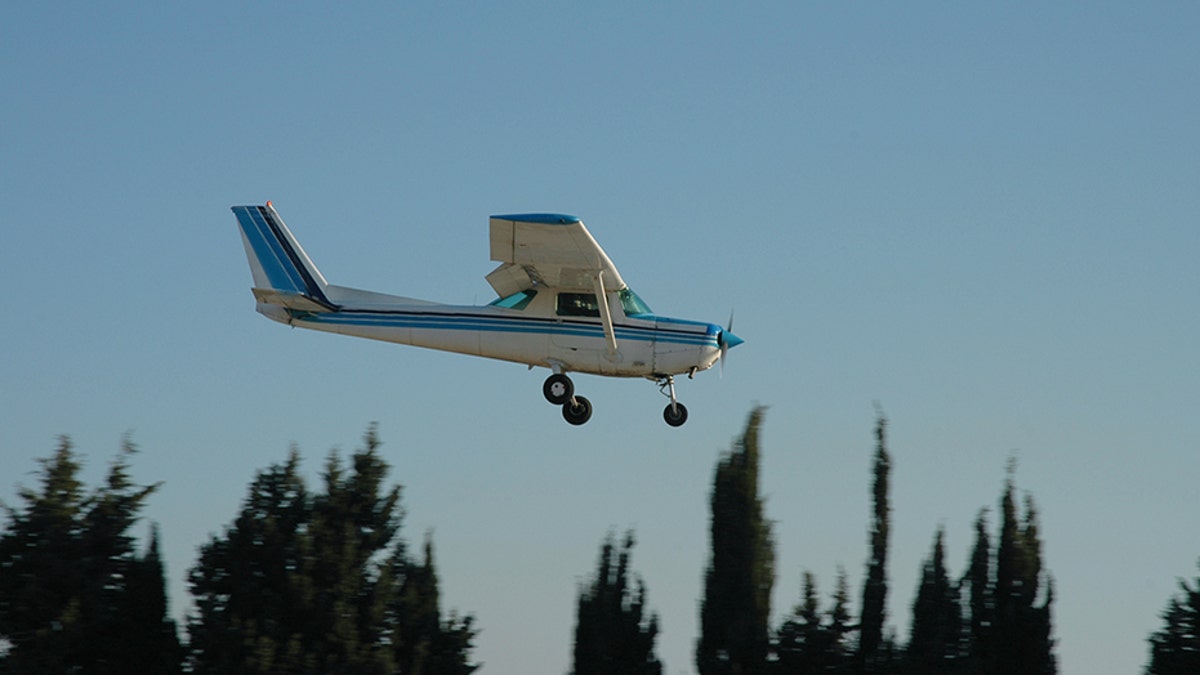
x,y
509,278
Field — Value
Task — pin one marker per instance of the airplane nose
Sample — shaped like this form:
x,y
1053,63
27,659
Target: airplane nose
x,y
727,340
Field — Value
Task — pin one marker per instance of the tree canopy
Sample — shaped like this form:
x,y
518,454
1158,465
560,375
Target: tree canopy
x,y
306,582
613,631
75,596
735,611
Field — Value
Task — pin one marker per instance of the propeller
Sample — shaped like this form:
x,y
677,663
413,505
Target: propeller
x,y
727,340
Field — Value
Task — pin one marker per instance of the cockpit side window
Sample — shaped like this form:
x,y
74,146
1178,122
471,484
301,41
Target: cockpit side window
x,y
518,300
577,304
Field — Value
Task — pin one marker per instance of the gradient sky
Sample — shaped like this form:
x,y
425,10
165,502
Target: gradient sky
x,y
982,217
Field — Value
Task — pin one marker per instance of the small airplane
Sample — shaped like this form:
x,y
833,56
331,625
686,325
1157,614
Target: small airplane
x,y
562,305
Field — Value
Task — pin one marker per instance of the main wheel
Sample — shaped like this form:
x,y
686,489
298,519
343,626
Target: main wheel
x,y
558,389
577,411
675,414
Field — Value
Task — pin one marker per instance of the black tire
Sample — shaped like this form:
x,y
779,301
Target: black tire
x,y
558,389
577,411
675,414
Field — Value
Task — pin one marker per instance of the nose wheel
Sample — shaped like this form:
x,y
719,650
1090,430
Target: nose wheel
x,y
675,414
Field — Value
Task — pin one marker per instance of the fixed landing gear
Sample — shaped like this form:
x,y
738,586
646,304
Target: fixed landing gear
x,y
560,390
577,410
675,413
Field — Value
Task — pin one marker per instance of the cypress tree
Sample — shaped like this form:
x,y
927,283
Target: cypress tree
x,y
840,627
873,653
420,641
148,634
736,607
612,633
934,643
815,641
798,643
978,648
1022,629
1175,648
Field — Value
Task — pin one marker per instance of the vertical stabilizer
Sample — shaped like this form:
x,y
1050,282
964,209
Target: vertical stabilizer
x,y
283,273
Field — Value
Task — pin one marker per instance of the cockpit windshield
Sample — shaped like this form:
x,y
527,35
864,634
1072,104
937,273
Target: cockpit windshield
x,y
632,304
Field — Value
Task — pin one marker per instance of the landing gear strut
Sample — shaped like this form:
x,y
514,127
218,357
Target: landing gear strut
x,y
577,411
675,413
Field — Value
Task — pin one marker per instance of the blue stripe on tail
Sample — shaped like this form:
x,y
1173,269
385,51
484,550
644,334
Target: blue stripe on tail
x,y
283,267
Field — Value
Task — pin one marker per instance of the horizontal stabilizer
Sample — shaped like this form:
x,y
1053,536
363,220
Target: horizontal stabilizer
x,y
291,300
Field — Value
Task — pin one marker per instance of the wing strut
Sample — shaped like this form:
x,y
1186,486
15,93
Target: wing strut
x,y
605,312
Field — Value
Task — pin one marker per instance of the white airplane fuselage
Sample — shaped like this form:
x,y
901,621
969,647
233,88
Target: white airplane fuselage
x,y
648,345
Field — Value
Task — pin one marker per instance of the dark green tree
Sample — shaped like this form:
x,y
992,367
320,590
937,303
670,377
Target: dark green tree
x,y
612,632
74,594
421,641
735,610
353,522
840,626
315,583
874,653
1175,649
250,586
935,643
978,650
1022,627
799,640
151,638
811,641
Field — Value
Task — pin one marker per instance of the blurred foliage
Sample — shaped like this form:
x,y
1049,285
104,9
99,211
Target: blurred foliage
x,y
74,594
305,582
1175,648
736,607
613,634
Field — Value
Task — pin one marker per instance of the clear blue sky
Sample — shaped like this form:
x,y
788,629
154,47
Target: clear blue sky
x,y
983,217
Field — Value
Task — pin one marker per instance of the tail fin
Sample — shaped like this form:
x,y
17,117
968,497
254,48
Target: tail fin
x,y
283,273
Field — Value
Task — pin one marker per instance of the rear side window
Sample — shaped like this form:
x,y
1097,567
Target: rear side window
x,y
577,304
518,300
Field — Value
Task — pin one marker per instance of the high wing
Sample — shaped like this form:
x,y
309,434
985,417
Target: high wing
x,y
547,249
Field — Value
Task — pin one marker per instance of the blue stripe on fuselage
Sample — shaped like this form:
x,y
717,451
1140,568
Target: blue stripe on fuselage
x,y
484,323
